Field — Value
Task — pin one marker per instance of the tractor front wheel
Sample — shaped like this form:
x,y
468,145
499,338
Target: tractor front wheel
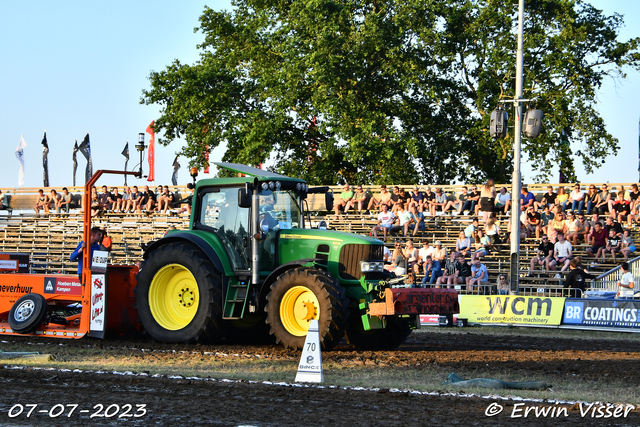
x,y
300,295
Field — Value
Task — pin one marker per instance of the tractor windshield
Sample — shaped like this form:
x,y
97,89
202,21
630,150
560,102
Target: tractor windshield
x,y
281,208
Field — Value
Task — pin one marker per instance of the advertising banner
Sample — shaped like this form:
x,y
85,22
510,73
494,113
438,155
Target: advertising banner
x,y
14,263
98,291
617,313
511,309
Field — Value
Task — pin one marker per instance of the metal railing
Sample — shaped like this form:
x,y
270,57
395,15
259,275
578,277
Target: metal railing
x,y
609,280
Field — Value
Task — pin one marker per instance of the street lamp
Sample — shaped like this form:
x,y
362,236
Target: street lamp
x,y
140,146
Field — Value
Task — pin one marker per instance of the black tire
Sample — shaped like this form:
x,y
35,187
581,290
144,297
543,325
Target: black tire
x,y
200,295
27,314
332,310
389,338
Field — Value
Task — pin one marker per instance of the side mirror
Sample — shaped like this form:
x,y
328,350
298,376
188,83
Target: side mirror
x,y
328,201
244,198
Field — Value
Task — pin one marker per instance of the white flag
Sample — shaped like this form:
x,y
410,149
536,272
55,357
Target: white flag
x,y
20,157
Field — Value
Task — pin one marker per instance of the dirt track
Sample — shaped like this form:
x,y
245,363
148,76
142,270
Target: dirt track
x,y
194,402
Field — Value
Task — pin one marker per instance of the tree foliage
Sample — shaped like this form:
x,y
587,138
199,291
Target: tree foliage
x,y
391,91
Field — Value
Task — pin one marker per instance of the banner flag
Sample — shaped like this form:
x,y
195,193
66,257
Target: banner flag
x,y
75,161
125,153
45,161
20,156
206,157
152,151
85,149
176,167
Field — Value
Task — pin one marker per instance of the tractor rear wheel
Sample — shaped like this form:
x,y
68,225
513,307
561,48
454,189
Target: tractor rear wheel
x,y
396,332
27,314
179,295
300,295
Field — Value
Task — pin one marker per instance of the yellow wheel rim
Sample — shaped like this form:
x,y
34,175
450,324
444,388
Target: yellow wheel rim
x,y
298,307
173,297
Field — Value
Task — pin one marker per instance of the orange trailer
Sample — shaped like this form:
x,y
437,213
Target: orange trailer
x,y
69,306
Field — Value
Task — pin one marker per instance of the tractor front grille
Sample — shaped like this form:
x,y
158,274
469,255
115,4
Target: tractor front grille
x,y
350,257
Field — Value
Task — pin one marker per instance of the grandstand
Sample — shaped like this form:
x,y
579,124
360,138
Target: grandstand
x,y
51,239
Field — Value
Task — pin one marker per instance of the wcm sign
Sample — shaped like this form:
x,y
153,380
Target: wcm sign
x,y
528,310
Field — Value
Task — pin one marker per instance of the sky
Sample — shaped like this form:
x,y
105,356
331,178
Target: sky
x,y
72,67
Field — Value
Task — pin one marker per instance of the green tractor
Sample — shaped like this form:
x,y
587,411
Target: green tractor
x,y
251,269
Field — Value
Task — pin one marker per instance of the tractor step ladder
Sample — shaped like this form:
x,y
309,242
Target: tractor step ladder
x,y
236,298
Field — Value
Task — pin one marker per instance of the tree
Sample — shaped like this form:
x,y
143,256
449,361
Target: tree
x,y
390,91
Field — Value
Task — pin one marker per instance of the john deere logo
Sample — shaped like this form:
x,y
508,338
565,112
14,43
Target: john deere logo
x,y
49,285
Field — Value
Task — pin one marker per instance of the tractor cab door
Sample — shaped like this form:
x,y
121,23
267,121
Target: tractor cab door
x,y
219,212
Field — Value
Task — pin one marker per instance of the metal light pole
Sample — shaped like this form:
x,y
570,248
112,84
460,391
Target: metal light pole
x,y
516,181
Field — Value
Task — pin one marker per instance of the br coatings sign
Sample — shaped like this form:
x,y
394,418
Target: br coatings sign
x,y
528,310
602,313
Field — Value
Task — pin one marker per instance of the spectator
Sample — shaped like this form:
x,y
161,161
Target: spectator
x,y
439,203
627,245
53,200
432,271
105,199
546,216
595,218
492,230
397,247
188,200
41,203
450,267
463,202
576,279
544,255
503,201
592,198
473,198
562,254
166,200
360,199
463,244
341,203
65,202
385,221
633,198
479,276
417,220
399,260
487,199
622,193
533,222
404,220
439,252
620,209
611,224
126,199
526,199
503,284
3,204
556,226
383,198
148,201
411,255
583,229
429,200
562,198
472,229
626,283
463,270
548,199
605,196
116,200
576,198
405,198
614,243
394,199
417,200
572,228
598,241
483,245
96,208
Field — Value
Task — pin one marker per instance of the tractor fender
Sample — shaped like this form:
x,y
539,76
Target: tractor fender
x,y
196,240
